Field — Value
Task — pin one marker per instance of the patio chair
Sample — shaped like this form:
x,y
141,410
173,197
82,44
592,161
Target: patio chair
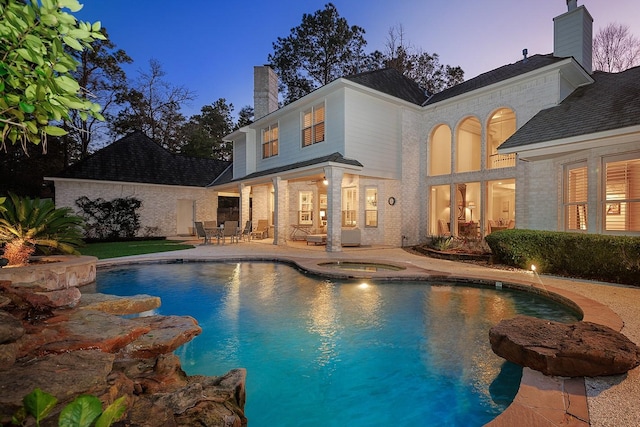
x,y
492,225
210,225
512,224
202,233
262,230
245,234
230,231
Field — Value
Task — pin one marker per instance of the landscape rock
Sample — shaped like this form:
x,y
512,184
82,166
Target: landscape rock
x,y
8,355
67,344
62,298
79,330
571,350
113,304
167,334
63,375
10,328
160,375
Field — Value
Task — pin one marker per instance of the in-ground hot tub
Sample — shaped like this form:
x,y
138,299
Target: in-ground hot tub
x,y
361,266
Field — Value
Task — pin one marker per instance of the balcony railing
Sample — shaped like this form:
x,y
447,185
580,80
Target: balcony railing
x,y
497,161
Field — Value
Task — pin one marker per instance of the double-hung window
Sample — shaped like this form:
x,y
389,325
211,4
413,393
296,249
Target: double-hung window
x,y
622,194
270,141
313,125
576,197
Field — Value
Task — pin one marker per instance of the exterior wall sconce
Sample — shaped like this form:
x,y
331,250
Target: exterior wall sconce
x,y
325,181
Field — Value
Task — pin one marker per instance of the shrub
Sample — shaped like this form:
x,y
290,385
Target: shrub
x,y
613,259
441,243
29,224
117,219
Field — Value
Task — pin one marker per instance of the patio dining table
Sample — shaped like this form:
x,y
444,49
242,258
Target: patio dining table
x,y
217,232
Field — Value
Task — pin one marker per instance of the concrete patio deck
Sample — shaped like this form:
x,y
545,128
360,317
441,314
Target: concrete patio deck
x,y
542,400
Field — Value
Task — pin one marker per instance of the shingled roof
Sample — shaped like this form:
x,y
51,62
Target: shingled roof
x,y
334,158
611,102
494,76
137,158
392,82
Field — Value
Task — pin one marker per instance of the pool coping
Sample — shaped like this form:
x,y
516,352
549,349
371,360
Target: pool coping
x,y
541,400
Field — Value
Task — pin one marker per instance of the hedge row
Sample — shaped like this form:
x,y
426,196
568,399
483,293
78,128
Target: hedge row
x,y
614,259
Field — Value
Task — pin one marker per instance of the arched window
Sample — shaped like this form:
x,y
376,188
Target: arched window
x,y
501,126
440,151
468,142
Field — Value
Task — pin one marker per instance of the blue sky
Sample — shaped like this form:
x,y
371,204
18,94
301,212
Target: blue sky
x,y
211,46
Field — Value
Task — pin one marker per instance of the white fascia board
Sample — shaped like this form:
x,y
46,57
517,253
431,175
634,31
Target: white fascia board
x,y
105,182
575,143
236,134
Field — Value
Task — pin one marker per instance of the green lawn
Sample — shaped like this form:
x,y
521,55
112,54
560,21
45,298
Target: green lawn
x,y
137,247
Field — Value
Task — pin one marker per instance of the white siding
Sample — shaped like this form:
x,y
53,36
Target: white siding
x,y
373,134
239,158
290,148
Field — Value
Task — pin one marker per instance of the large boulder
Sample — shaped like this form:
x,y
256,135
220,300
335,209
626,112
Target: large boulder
x,y
571,350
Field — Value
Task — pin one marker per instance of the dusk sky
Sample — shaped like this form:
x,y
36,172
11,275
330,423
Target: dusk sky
x,y
210,47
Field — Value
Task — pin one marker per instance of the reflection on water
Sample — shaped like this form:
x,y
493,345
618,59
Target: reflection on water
x,y
326,351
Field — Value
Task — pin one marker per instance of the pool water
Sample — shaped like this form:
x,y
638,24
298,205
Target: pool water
x,y
335,353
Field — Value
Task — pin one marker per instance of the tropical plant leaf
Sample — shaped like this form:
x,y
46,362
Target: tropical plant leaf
x,y
112,413
39,404
81,412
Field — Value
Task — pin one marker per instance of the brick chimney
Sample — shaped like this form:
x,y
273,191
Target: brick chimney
x,y
265,91
573,35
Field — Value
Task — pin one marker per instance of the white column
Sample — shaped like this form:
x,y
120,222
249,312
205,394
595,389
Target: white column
x,y
334,208
244,191
281,210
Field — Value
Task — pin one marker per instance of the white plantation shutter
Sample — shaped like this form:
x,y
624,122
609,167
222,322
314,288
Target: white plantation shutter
x,y
306,128
622,195
576,195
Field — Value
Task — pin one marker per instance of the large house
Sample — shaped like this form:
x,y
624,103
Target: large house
x,y
372,159
543,143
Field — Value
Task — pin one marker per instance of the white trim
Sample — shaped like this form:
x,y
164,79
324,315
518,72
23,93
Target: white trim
x,y
101,181
553,148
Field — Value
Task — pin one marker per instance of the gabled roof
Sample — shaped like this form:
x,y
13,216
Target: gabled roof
x,y
392,82
611,102
494,76
137,158
333,158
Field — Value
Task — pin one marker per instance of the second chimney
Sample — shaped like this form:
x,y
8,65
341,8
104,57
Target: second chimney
x,y
572,35
265,91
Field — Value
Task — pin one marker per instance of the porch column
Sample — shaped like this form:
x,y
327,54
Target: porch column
x,y
281,210
334,208
244,191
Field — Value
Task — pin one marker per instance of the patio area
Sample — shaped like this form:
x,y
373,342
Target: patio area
x,y
541,401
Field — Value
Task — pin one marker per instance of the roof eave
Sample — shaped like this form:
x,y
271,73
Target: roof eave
x,y
297,173
510,81
559,147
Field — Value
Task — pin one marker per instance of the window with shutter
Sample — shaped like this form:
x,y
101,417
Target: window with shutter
x,y
622,195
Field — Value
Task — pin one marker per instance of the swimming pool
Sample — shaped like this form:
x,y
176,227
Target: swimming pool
x,y
333,353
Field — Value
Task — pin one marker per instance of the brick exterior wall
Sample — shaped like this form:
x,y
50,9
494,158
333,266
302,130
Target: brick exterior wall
x,y
159,202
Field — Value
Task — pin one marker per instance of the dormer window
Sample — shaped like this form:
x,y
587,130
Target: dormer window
x,y
270,141
313,125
